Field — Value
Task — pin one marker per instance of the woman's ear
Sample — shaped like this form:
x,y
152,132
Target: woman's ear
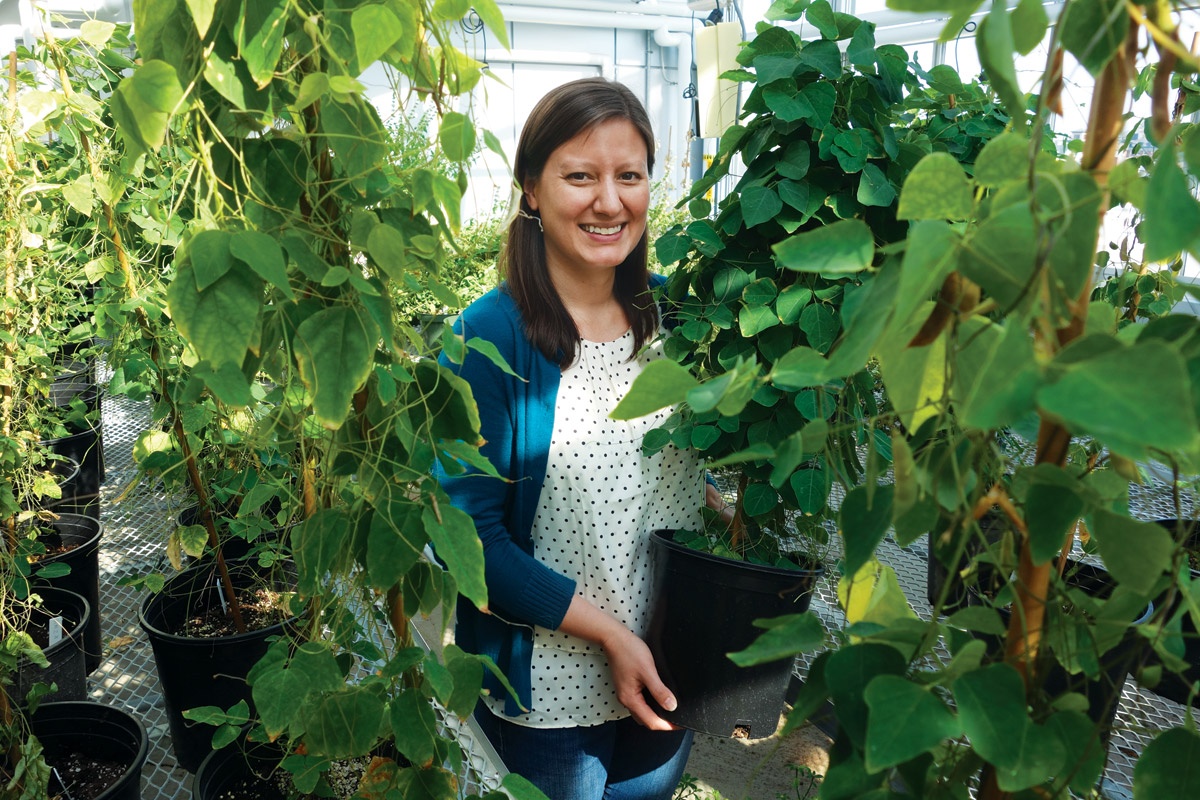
x,y
529,192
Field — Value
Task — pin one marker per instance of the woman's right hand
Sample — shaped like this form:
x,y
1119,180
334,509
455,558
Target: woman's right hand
x,y
629,661
632,668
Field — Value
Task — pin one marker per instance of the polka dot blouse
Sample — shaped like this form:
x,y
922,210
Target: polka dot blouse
x,y
600,501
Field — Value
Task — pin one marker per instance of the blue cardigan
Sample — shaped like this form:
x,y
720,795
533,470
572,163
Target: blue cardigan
x,y
516,421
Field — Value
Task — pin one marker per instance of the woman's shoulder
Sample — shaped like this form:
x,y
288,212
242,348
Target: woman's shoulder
x,y
493,311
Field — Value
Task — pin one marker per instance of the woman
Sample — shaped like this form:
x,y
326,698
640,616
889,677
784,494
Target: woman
x,y
565,539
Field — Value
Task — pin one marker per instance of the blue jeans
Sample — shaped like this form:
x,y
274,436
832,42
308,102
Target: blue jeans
x,y
617,760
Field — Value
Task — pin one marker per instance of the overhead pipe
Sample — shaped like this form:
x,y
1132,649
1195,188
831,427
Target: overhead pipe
x,y
652,8
594,19
569,57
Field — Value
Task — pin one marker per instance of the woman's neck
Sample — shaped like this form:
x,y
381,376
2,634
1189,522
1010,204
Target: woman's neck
x,y
593,306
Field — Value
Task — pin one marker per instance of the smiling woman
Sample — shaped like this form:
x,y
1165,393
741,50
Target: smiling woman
x,y
566,535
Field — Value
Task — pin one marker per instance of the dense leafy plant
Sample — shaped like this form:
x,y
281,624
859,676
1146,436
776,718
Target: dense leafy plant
x,y
764,291
282,288
980,316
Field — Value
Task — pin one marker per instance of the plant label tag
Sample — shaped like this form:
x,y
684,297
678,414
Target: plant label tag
x,y
56,630
224,605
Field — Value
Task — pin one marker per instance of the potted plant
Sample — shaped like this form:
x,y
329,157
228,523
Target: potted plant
x,y
281,291
758,301
982,320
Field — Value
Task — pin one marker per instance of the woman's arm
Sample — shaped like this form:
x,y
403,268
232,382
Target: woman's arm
x,y
629,661
714,500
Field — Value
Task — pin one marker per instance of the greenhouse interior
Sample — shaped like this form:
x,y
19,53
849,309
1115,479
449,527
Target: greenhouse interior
x,y
572,399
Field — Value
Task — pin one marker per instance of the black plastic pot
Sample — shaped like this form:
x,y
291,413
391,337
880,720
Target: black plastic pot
x,y
1104,692
84,577
203,671
97,730
85,446
703,608
242,764
941,578
66,656
1172,685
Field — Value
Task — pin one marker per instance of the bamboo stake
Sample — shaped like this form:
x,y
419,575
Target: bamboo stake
x,y
1033,581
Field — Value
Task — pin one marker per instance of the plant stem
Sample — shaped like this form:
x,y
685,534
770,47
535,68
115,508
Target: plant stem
x,y
1033,581
156,356
11,238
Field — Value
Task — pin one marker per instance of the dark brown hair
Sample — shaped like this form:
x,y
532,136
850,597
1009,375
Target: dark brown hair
x,y
560,116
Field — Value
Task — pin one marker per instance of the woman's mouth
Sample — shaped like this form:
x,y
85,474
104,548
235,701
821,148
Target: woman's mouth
x,y
602,231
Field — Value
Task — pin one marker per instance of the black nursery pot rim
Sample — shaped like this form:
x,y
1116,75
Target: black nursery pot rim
x,y
181,640
665,538
85,711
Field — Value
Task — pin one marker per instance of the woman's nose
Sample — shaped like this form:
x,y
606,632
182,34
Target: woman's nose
x,y
608,197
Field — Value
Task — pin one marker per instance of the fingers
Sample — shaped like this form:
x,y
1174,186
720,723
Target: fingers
x,y
645,715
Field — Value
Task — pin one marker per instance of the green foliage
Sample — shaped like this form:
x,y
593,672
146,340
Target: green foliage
x,y
765,292
293,374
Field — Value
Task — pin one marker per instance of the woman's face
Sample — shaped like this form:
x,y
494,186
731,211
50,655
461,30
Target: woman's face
x,y
592,197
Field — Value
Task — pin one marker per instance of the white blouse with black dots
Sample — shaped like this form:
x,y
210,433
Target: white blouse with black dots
x,y
601,499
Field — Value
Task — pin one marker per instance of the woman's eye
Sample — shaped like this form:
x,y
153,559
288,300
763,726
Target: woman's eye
x,y
632,177
577,176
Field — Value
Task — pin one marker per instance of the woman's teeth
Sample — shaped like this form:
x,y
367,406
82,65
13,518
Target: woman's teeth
x,y
601,231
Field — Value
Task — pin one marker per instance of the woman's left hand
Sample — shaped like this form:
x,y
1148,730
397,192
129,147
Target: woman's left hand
x,y
714,500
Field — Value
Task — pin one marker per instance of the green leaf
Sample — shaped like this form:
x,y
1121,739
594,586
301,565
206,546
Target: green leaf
x,y
451,10
457,136
342,724
355,133
1029,23
759,499
456,542
799,368
848,673
1086,754
143,103
1052,507
334,349
389,251
1000,255
80,194
221,321
991,708
905,720
874,189
811,487
1172,212
753,320
262,254
467,671
660,384
1107,396
491,15
759,205
994,41
376,29
930,256
415,727
785,637
395,542
1135,552
202,14
937,188
995,374
915,378
209,254
1003,159
492,353
845,246
259,33
312,88
864,518
820,326
1093,31
1169,768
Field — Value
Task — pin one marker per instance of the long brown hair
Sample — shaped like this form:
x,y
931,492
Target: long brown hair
x,y
560,116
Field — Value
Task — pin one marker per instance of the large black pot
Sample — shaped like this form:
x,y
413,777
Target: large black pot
x,y
1103,693
1172,685
703,608
943,572
84,578
203,671
242,765
85,446
97,730
66,658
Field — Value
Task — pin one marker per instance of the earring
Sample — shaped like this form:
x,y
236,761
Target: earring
x,y
523,213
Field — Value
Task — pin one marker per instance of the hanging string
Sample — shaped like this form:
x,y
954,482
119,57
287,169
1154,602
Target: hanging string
x,y
472,24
